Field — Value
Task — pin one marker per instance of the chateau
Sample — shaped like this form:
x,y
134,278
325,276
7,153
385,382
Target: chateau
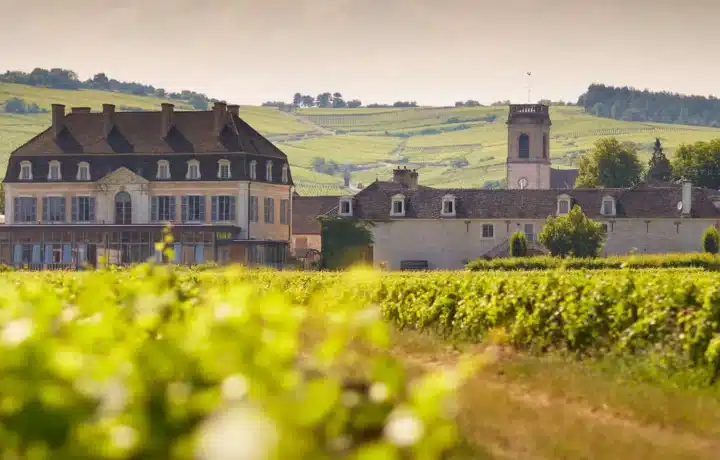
x,y
105,185
425,227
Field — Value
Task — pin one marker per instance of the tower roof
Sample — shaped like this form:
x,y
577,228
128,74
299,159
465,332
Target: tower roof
x,y
539,112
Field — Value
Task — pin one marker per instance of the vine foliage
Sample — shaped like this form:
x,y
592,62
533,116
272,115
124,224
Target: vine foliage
x,y
345,242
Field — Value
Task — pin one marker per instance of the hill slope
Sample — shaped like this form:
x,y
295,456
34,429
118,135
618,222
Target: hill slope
x,y
458,147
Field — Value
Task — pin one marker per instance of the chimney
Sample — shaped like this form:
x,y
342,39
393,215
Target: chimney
x,y
108,118
80,110
58,119
234,109
166,119
405,177
220,116
686,197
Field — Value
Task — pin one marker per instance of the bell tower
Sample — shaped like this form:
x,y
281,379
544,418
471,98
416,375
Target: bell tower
x,y
528,160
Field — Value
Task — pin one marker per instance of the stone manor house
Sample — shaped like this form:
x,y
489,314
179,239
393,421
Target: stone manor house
x,y
426,227
105,184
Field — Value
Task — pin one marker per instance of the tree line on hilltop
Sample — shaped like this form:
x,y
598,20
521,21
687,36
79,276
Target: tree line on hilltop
x,y
58,78
631,104
330,100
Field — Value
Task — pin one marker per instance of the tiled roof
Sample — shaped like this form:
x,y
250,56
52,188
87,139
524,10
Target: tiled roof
x,y
563,178
374,201
140,133
306,209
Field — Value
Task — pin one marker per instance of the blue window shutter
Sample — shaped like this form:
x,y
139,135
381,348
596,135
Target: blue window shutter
x,y
36,254
82,252
45,208
202,208
184,208
232,208
48,253
33,209
154,208
177,248
16,213
17,253
172,208
214,209
63,209
74,209
67,253
91,203
199,253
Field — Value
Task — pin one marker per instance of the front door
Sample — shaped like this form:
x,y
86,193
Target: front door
x,y
123,208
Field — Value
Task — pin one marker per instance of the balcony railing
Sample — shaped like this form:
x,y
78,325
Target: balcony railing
x,y
529,108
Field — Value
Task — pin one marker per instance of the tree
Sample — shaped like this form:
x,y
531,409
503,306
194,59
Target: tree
x,y
308,101
199,102
345,242
323,100
101,81
337,101
711,240
698,163
518,244
15,105
572,235
659,168
355,103
610,164
297,99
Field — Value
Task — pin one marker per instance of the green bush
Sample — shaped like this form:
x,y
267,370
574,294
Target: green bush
x,y
711,240
688,260
572,234
518,244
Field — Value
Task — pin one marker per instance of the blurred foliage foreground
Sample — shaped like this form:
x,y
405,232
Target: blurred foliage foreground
x,y
145,364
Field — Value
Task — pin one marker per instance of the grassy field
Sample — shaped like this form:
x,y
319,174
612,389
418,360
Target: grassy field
x,y
453,147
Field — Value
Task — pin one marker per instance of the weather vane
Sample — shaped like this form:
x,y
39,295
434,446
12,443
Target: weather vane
x,y
529,74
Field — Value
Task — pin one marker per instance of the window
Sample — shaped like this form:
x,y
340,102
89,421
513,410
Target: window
x,y
608,206
269,210
193,208
524,146
285,212
54,170
254,211
82,209
163,169
193,171
448,206
285,174
223,208
346,207
25,170
162,209
83,172
488,231
123,208
529,232
253,170
605,228
25,209
268,171
53,209
563,204
545,146
224,169
397,208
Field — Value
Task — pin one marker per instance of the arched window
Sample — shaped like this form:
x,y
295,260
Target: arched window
x,y
223,169
285,174
545,146
268,171
83,172
25,170
193,171
123,208
54,170
524,146
253,170
163,169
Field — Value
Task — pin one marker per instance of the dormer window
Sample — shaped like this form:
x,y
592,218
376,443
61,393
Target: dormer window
x,y
608,206
397,207
54,170
563,205
346,207
268,171
163,169
285,174
83,172
25,170
224,169
253,170
193,171
448,206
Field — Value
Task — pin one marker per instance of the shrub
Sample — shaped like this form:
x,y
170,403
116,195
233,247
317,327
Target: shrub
x,y
518,244
572,234
701,261
711,240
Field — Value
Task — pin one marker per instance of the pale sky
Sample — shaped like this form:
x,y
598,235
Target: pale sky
x,y
431,51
